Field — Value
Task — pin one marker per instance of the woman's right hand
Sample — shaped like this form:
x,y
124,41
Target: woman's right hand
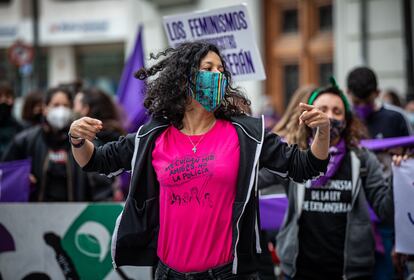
x,y
85,128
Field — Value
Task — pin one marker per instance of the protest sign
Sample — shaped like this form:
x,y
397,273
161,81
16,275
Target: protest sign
x,y
60,241
230,29
404,206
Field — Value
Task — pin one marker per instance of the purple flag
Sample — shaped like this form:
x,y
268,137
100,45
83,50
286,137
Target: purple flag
x,y
131,90
381,144
14,181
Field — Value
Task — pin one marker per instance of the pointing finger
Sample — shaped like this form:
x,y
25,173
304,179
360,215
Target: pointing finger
x,y
306,107
92,121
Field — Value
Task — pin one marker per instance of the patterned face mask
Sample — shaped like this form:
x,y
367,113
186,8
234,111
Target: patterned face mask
x,y
209,89
336,128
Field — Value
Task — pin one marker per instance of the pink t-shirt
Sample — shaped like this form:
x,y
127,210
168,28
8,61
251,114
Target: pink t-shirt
x,y
197,192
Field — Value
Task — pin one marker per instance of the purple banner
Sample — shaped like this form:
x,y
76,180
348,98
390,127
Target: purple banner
x,y
272,210
131,91
273,207
387,143
14,181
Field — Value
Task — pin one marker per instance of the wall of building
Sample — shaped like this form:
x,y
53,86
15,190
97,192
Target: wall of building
x,y
385,45
64,24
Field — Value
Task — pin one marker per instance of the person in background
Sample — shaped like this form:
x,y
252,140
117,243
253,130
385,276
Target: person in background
x,y
95,103
391,97
32,111
409,109
192,206
327,232
9,126
55,175
382,121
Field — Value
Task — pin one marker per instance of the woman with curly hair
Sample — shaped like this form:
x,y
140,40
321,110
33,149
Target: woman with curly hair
x,y
327,232
193,199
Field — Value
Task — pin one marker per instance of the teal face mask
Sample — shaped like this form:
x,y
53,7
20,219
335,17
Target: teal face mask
x,y
209,89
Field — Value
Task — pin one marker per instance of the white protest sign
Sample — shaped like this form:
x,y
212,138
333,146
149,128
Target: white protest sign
x,y
230,29
404,207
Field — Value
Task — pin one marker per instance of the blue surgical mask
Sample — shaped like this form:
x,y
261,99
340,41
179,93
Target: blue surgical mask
x,y
209,89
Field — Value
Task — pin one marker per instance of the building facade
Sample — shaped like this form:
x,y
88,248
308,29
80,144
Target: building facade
x,y
301,41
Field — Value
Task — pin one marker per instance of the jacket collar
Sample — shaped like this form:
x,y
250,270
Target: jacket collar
x,y
252,127
152,125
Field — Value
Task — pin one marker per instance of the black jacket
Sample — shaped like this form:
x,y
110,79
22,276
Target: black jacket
x,y
33,143
135,236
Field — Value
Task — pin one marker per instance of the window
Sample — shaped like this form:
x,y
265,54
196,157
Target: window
x,y
100,65
290,21
325,18
291,80
325,72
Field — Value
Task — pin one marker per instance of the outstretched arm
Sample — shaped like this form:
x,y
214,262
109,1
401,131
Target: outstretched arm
x,y
289,161
84,129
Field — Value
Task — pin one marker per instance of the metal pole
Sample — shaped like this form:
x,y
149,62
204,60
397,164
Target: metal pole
x,y
364,32
408,40
35,17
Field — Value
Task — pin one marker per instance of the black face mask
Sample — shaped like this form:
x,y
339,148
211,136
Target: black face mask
x,y
5,111
37,118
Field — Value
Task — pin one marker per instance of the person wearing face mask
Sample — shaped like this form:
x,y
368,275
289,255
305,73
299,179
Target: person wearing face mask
x,y
193,199
55,175
32,112
8,124
327,232
382,121
409,109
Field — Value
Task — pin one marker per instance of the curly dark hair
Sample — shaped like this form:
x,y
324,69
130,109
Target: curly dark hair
x,y
167,92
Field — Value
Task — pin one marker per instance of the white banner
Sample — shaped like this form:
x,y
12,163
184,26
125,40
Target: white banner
x,y
60,241
404,207
230,29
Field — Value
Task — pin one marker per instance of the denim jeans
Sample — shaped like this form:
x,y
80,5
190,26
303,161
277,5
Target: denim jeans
x,y
224,272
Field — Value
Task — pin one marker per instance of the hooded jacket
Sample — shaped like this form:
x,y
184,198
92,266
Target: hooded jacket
x,y
134,241
369,187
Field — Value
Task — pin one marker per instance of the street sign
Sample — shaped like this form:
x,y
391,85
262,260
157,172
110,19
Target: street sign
x,y
20,54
